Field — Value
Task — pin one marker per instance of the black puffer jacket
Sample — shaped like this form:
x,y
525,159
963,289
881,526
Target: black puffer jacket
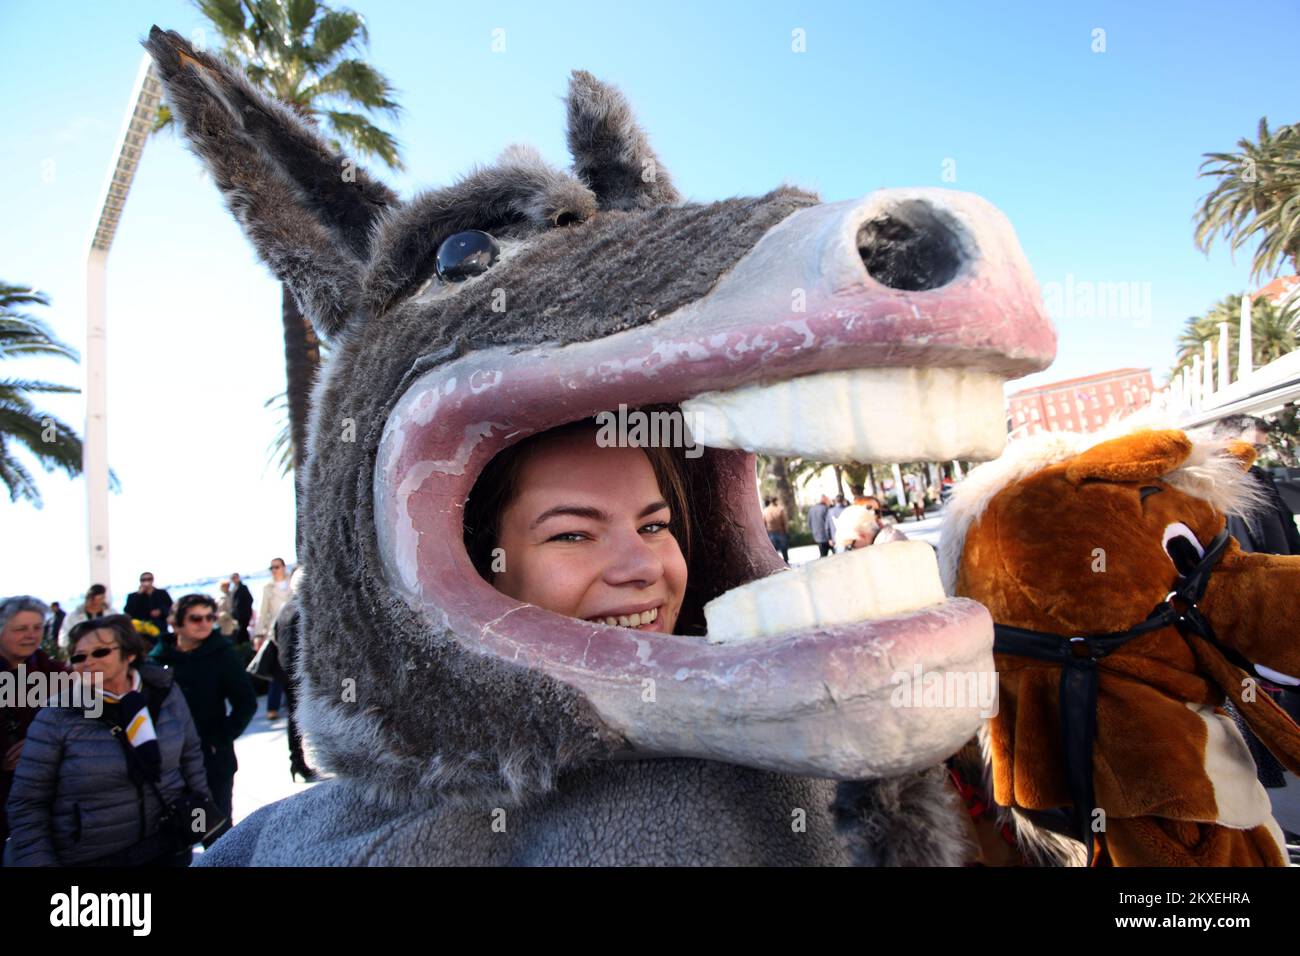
x,y
73,799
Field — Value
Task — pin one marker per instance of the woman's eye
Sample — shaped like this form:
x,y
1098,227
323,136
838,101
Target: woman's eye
x,y
465,255
656,526
567,536
1183,547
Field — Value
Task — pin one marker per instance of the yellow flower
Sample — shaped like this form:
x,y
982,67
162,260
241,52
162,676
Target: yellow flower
x,y
145,628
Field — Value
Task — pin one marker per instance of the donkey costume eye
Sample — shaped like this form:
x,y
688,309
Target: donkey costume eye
x,y
1183,547
465,255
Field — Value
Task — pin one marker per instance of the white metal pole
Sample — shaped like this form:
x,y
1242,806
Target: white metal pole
x,y
1245,346
1208,368
146,94
1197,381
1225,374
95,447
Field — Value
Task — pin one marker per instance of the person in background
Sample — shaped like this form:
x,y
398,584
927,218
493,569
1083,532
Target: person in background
x,y
1270,529
241,606
861,525
211,676
284,645
22,620
53,628
84,794
819,524
275,595
778,527
149,604
916,498
226,622
836,509
92,608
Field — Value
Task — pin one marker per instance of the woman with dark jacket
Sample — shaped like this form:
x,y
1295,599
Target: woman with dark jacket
x,y
20,630
212,676
79,796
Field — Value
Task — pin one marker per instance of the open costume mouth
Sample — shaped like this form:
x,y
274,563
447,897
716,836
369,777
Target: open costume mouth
x,y
879,329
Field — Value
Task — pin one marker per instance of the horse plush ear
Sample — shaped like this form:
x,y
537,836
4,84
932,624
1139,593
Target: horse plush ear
x,y
1244,452
1141,456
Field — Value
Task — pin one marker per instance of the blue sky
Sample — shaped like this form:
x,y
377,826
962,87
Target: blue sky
x,y
1093,156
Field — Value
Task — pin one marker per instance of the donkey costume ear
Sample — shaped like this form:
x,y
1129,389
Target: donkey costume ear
x,y
306,209
1141,456
610,152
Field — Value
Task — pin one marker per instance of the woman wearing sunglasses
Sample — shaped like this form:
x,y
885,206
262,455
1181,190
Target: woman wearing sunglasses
x,y
212,677
94,782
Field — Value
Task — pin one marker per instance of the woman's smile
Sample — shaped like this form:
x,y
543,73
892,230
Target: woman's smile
x,y
644,620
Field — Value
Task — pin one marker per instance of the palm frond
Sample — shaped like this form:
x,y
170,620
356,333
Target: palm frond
x,y
357,82
1253,199
280,451
336,32
364,138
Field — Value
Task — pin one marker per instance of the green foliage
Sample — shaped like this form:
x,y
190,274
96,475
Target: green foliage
x,y
52,443
303,53
1273,331
1257,198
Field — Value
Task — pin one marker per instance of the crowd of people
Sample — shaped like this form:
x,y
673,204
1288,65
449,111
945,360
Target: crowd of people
x,y
837,526
146,775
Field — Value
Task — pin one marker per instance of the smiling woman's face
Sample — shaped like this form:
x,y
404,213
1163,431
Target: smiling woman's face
x,y
587,535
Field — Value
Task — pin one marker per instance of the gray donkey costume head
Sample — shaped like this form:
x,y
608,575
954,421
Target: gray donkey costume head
x,y
436,698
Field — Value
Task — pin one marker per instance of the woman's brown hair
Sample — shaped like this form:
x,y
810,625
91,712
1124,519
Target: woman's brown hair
x,y
497,486
129,642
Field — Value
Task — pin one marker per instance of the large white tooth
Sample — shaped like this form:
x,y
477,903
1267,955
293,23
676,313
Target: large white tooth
x,y
878,581
867,415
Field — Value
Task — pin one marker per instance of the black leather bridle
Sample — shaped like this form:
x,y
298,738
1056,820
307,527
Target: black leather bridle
x,y
1078,658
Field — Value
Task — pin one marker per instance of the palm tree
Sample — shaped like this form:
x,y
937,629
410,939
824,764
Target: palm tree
x,y
1274,331
54,444
302,53
1258,195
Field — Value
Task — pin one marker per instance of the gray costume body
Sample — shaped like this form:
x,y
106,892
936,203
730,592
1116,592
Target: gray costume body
x,y
445,707
641,813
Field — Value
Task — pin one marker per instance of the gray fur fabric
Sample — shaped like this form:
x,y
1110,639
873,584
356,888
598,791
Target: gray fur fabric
x,y
426,738
642,813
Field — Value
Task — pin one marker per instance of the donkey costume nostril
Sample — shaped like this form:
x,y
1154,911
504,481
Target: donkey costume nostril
x,y
565,218
911,247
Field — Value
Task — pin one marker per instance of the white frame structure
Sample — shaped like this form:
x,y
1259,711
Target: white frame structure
x,y
1257,391
146,95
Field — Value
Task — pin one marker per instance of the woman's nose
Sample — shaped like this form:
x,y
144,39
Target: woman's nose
x,y
633,561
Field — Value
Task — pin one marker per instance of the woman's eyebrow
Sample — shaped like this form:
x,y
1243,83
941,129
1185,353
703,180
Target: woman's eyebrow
x,y
652,508
576,511
595,514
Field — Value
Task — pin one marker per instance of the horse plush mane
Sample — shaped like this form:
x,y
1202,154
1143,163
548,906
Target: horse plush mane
x,y
1072,536
1207,472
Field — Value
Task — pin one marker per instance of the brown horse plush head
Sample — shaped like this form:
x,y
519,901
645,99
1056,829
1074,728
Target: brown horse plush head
x,y
1065,539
